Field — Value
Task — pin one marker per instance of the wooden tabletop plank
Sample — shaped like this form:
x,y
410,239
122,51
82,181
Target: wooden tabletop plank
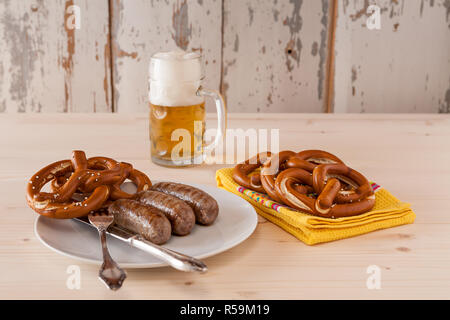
x,y
407,154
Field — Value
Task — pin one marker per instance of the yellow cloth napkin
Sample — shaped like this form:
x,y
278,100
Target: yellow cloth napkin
x,y
388,212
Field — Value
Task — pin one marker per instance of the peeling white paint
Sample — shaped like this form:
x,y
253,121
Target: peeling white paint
x,y
270,71
33,46
404,67
271,57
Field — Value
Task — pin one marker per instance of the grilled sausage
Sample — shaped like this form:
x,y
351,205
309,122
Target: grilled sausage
x,y
148,221
205,207
179,213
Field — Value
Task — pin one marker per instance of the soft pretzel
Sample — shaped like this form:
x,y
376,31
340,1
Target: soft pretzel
x,y
241,171
59,204
141,180
309,159
269,171
313,181
318,157
325,204
98,183
360,185
286,188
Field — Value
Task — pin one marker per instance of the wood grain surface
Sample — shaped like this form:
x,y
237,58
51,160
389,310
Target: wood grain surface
x,y
407,154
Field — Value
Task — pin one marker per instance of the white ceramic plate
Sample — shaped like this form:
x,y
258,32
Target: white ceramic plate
x,y
236,222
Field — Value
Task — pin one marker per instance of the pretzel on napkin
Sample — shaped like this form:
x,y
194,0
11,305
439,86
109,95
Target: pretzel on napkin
x,y
312,181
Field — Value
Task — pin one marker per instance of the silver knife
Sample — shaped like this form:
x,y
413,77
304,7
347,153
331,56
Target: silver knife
x,y
175,259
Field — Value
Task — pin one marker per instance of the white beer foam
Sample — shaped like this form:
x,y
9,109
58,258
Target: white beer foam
x,y
175,77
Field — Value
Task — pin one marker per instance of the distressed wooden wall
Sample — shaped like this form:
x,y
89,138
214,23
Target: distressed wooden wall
x,y
265,56
275,55
142,27
47,67
403,67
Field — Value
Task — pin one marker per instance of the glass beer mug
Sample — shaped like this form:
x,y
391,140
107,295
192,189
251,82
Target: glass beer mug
x,y
177,109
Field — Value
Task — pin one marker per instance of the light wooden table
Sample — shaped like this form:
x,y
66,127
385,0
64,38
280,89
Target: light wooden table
x,y
408,154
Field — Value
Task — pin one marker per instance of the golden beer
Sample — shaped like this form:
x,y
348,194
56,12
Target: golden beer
x,y
176,133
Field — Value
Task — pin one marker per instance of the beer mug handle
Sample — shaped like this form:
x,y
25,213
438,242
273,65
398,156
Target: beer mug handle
x,y
221,116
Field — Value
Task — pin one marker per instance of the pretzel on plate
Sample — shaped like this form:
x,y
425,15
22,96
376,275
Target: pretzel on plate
x,y
141,180
98,178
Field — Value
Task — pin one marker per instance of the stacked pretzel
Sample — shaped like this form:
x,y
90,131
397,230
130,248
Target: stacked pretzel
x,y
97,180
312,181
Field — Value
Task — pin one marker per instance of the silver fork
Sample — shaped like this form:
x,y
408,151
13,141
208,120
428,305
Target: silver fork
x,y
110,273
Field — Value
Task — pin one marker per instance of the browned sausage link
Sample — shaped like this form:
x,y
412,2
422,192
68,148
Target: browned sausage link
x,y
179,213
149,222
205,207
